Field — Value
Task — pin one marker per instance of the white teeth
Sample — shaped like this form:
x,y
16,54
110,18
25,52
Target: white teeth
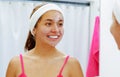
x,y
53,36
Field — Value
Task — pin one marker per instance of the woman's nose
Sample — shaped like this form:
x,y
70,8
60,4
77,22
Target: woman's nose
x,y
55,28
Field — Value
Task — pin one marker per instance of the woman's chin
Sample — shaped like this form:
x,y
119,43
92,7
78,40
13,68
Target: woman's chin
x,y
53,44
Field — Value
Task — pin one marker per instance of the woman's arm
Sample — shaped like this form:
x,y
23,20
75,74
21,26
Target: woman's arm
x,y
75,68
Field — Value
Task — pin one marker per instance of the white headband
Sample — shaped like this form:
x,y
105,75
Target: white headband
x,y
116,10
35,17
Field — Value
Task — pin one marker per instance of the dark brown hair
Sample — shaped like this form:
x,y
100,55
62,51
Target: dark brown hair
x,y
30,42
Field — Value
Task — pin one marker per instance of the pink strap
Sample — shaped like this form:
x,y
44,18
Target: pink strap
x,y
60,73
21,60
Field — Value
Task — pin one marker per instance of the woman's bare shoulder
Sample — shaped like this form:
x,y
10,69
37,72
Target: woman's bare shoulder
x,y
12,66
73,60
15,60
74,63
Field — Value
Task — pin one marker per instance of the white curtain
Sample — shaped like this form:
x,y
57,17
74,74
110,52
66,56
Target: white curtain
x,y
14,29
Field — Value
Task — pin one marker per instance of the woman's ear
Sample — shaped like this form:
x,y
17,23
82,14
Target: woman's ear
x,y
34,32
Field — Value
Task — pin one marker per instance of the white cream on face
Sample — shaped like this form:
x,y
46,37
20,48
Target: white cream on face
x,y
42,10
50,28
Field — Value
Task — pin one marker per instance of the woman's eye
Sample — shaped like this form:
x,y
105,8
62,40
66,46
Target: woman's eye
x,y
48,24
60,24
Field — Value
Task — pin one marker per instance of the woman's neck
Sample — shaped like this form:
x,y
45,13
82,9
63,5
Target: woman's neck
x,y
44,51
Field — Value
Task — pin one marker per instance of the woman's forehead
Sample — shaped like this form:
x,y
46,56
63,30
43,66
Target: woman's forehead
x,y
52,15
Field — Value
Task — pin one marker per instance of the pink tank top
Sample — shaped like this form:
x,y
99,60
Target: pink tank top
x,y
24,75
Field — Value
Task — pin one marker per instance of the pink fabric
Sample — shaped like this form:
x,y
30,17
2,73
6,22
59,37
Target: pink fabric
x,y
60,73
93,61
24,75
22,67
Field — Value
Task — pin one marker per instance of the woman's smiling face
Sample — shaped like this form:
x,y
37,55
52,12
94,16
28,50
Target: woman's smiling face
x,y
49,29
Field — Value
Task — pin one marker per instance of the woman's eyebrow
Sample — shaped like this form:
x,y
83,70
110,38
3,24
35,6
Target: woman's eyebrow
x,y
50,20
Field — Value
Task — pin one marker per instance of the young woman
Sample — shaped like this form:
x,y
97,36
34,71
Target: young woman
x,y
42,59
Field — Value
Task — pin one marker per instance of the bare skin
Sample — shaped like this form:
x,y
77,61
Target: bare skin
x,y
45,60
115,31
